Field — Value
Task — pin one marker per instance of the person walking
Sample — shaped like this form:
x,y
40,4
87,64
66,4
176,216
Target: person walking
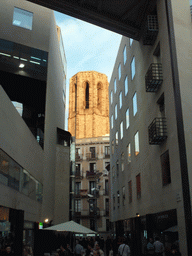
x,y
124,249
158,247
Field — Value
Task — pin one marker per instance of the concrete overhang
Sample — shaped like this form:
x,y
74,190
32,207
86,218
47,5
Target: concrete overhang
x,y
125,17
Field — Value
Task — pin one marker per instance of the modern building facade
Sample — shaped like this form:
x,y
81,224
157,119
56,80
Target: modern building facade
x,y
150,100
89,122
34,148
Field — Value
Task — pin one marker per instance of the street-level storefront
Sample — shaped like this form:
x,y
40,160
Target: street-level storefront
x,y
138,230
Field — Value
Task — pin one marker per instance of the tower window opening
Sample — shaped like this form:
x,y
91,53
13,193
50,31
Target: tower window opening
x,y
87,96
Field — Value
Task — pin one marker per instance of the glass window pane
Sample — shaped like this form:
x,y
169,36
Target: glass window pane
x,y
137,143
117,138
111,97
134,104
133,68
126,85
119,69
115,111
124,55
112,122
115,85
120,100
127,119
131,41
22,18
121,130
129,153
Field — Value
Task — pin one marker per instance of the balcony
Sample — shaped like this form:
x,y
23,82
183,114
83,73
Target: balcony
x,y
81,193
78,157
105,192
157,131
151,30
154,77
107,212
78,175
106,155
91,156
92,174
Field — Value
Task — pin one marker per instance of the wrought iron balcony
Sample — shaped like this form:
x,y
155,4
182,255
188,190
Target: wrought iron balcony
x,y
105,192
151,30
157,131
154,77
78,157
91,156
93,174
81,193
106,155
78,175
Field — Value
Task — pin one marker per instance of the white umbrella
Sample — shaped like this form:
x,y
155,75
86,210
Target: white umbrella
x,y
71,226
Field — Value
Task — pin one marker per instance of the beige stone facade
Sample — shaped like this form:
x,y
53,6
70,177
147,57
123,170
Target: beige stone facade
x,y
92,105
92,156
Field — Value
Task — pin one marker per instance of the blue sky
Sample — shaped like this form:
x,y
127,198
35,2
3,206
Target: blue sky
x,y
87,47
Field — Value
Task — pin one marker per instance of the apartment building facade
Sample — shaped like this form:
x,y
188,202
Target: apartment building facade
x,y
148,177
34,148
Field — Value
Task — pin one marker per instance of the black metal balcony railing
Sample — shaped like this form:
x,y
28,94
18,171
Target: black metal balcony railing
x,y
91,156
106,155
105,192
157,131
78,175
154,77
151,30
78,157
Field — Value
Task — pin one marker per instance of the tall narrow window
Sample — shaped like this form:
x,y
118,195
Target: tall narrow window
x,y
77,187
113,202
119,71
115,85
123,193
99,95
120,100
129,153
137,143
77,205
118,199
117,138
126,85
113,172
112,147
135,104
125,55
138,185
117,167
122,162
115,111
130,41
87,96
111,97
112,122
165,167
127,119
133,68
130,191
121,130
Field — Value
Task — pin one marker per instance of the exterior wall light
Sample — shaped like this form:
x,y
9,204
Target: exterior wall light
x,y
21,65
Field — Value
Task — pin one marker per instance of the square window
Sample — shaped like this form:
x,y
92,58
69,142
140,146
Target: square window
x,y
133,68
135,104
127,119
22,18
124,55
115,85
126,85
115,111
121,130
120,100
119,70
137,143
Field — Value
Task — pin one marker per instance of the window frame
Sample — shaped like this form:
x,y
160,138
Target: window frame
x,y
119,71
18,11
135,108
126,85
136,143
115,85
133,65
121,130
120,100
127,118
116,112
125,54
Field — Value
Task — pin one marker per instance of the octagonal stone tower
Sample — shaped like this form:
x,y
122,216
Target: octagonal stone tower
x,y
88,105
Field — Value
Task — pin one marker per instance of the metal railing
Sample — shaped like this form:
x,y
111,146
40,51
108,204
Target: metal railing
x,y
154,77
157,131
151,30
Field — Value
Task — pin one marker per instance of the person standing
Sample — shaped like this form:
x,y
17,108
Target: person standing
x,y
150,247
158,247
78,249
124,249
